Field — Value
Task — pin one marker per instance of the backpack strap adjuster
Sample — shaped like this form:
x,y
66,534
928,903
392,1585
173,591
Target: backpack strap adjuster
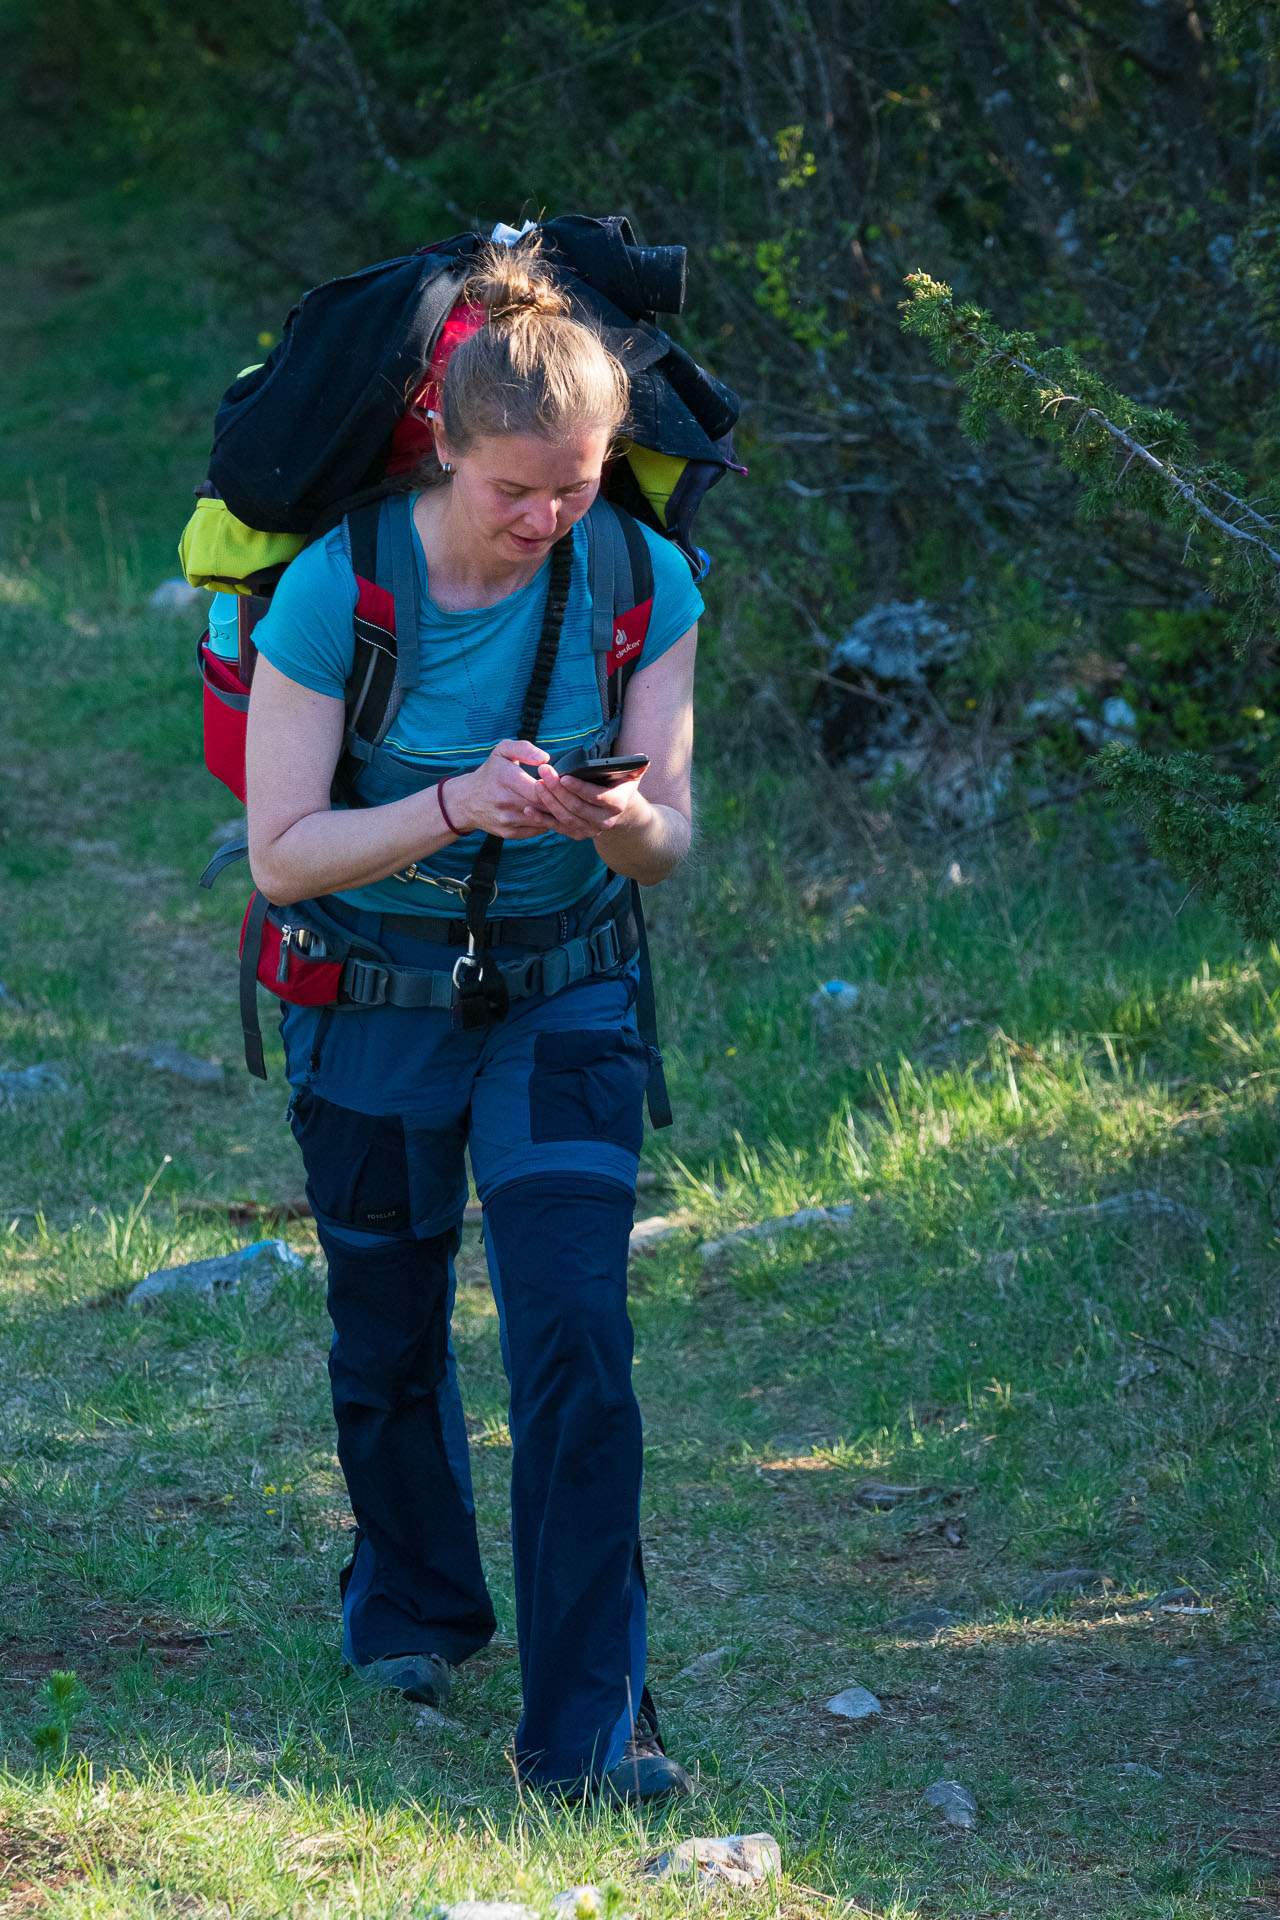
x,y
365,983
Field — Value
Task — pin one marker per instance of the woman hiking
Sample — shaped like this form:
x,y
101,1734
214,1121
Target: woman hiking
x,y
547,1098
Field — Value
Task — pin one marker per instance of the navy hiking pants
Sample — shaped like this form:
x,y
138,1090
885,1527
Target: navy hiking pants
x,y
549,1103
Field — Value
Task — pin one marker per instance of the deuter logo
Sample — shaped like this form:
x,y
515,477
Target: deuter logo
x,y
619,636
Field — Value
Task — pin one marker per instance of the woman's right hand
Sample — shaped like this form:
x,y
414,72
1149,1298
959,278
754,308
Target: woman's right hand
x,y
499,797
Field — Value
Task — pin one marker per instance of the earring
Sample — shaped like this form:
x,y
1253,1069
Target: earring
x,y
446,466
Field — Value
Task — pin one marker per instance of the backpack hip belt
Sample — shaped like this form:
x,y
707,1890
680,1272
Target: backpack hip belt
x,y
307,956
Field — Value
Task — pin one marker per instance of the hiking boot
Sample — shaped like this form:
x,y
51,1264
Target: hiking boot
x,y
423,1677
646,1770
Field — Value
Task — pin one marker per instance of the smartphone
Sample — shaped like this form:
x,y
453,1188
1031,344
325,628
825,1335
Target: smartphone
x,y
610,773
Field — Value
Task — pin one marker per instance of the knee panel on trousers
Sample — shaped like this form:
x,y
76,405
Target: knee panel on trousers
x,y
561,1248
389,1305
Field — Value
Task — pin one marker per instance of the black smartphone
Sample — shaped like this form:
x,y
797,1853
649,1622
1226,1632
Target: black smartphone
x,y
608,773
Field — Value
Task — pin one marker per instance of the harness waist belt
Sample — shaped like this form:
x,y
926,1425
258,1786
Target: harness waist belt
x,y
535,930
605,947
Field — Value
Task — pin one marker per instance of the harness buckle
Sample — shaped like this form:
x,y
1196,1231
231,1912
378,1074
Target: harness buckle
x,y
606,949
366,983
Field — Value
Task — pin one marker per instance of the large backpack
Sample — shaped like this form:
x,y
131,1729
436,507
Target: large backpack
x,y
327,431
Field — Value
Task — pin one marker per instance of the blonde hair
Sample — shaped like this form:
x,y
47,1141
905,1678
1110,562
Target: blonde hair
x,y
531,368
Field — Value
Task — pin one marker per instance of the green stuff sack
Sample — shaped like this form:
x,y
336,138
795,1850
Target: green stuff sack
x,y
217,550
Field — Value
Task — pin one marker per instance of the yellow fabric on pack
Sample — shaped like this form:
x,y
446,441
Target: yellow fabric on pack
x,y
217,550
657,474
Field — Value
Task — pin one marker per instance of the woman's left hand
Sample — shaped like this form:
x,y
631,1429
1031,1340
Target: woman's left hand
x,y
581,811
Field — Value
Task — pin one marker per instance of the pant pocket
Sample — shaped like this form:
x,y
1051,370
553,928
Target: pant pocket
x,y
357,1167
588,1085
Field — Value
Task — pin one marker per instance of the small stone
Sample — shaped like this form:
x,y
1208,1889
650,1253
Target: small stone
x,y
1268,1691
1136,1769
431,1720
183,1066
878,1496
1179,1597
174,596
854,1703
259,1265
922,1622
1118,715
739,1860
579,1903
955,1803
647,1233
785,1223
489,1910
705,1665
18,1084
229,832
1071,1580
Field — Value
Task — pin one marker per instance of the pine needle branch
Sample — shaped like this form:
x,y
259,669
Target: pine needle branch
x,y
1127,453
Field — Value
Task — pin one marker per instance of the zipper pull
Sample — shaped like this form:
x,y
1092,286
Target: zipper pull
x,y
282,964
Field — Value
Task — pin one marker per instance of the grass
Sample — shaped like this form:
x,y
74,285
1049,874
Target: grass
x,y
1038,1030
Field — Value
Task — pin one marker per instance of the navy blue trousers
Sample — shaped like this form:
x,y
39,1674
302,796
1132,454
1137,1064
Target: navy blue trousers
x,y
549,1104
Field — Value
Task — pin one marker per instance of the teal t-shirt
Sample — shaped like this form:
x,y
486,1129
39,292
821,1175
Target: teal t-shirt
x,y
475,668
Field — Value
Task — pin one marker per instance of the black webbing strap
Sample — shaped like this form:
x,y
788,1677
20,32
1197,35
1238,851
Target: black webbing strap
x,y
620,576
647,1022
483,996
254,1058
397,520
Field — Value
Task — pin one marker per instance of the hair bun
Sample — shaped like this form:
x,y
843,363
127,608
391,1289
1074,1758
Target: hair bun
x,y
511,282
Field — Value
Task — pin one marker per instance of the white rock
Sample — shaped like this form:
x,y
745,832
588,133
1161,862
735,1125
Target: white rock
x,y
739,1860
183,1066
956,1804
579,1903
786,1223
1119,716
705,1665
489,1910
854,1703
174,596
18,1084
431,1720
260,1265
660,1226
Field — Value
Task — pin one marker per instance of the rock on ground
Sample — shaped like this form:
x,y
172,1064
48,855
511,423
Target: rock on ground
x,y
921,1621
489,1910
854,1703
660,1226
705,1665
175,596
29,1083
258,1266
1071,1580
184,1066
955,1803
579,1903
739,1860
785,1223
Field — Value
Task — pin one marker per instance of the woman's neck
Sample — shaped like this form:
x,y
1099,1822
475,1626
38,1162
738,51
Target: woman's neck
x,y
461,574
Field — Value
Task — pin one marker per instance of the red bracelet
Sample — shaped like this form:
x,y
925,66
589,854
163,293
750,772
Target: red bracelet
x,y
444,815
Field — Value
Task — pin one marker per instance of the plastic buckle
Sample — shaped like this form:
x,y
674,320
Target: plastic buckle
x,y
365,983
606,950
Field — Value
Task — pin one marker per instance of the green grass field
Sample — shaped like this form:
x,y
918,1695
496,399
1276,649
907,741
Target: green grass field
x,y
1075,1374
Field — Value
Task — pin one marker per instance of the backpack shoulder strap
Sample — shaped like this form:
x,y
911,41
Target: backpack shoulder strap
x,y
373,691
620,581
